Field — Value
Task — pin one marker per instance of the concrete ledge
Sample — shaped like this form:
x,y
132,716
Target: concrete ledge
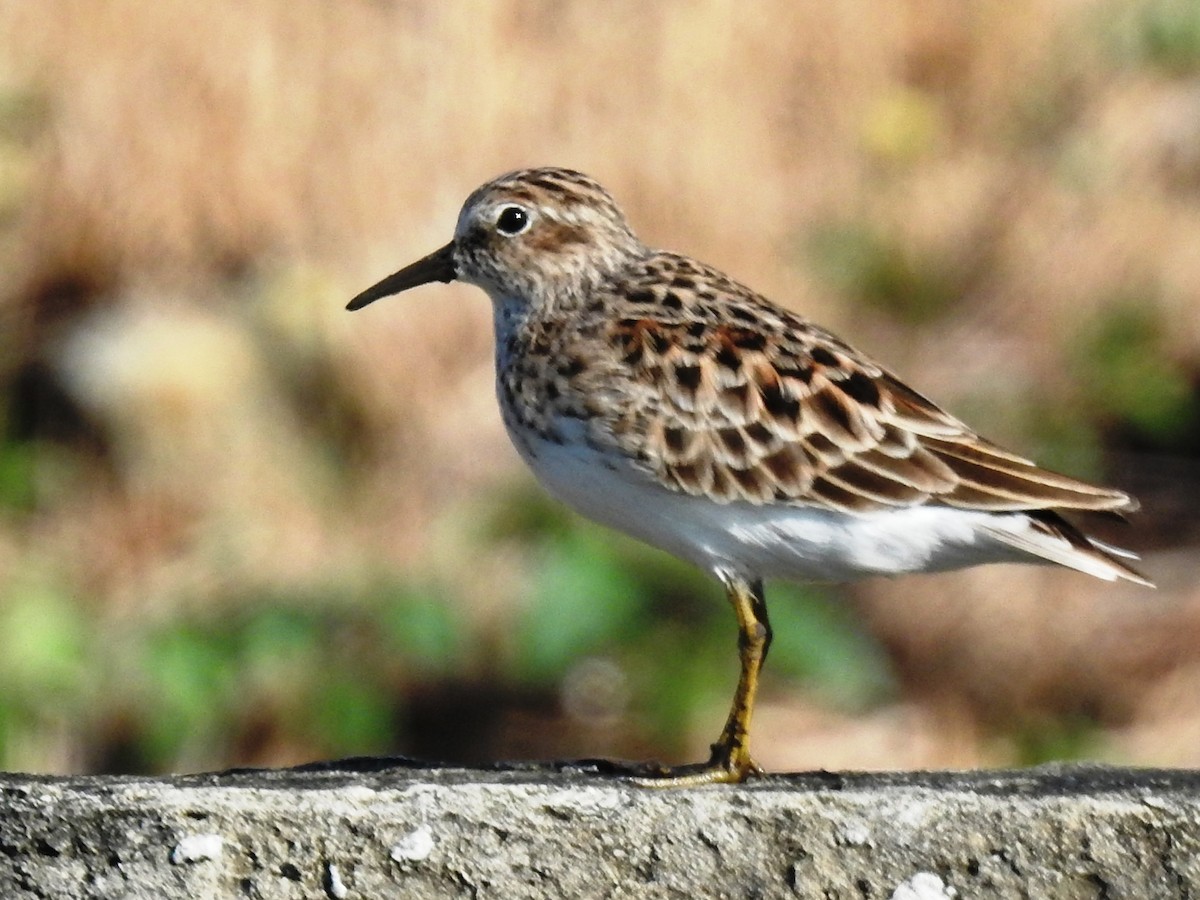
x,y
391,828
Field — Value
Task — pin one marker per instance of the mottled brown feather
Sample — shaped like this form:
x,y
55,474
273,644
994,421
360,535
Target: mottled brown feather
x,y
762,407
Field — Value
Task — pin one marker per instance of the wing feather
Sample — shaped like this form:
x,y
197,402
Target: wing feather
x,y
761,406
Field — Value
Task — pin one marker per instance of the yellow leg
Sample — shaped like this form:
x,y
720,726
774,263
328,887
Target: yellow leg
x,y
730,762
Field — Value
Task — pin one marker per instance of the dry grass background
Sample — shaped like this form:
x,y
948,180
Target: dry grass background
x,y
190,191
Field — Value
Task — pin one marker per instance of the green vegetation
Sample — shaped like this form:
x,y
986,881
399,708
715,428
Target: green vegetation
x,y
1127,378
1065,739
1166,34
328,673
872,267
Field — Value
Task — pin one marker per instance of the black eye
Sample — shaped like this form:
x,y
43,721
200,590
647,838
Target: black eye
x,y
512,220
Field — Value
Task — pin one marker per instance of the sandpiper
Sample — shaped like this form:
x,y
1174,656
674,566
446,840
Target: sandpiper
x,y
655,394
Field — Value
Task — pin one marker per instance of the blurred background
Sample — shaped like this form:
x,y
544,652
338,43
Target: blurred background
x,y
240,526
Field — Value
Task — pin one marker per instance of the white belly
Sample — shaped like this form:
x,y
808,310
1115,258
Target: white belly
x,y
771,541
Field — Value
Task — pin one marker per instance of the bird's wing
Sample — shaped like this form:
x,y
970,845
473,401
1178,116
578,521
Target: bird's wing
x,y
736,399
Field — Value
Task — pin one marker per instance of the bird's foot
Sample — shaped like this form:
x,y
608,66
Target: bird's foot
x,y
727,765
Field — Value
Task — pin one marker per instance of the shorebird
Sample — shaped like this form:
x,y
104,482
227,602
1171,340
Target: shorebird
x,y
656,395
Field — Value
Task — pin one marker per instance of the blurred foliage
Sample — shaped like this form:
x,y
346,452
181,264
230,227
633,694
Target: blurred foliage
x,y
1167,36
23,113
18,464
1057,431
874,268
322,671
583,601
820,644
1127,377
46,664
1064,439
1057,739
902,125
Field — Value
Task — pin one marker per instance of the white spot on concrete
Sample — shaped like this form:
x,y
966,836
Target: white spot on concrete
x,y
415,846
358,793
719,835
337,888
584,801
855,834
924,886
1155,802
913,815
197,848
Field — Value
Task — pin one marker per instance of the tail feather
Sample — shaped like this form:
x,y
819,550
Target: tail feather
x,y
1049,536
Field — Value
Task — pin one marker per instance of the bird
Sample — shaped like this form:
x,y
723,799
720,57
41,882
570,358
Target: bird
x,y
655,394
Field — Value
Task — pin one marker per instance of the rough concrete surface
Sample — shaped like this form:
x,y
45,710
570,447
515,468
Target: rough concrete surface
x,y
392,828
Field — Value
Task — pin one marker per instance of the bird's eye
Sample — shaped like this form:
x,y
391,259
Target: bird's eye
x,y
512,220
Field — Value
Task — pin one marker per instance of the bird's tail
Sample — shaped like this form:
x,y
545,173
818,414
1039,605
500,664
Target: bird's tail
x,y
1048,535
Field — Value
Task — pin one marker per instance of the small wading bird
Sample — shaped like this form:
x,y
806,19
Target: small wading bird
x,y
657,395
